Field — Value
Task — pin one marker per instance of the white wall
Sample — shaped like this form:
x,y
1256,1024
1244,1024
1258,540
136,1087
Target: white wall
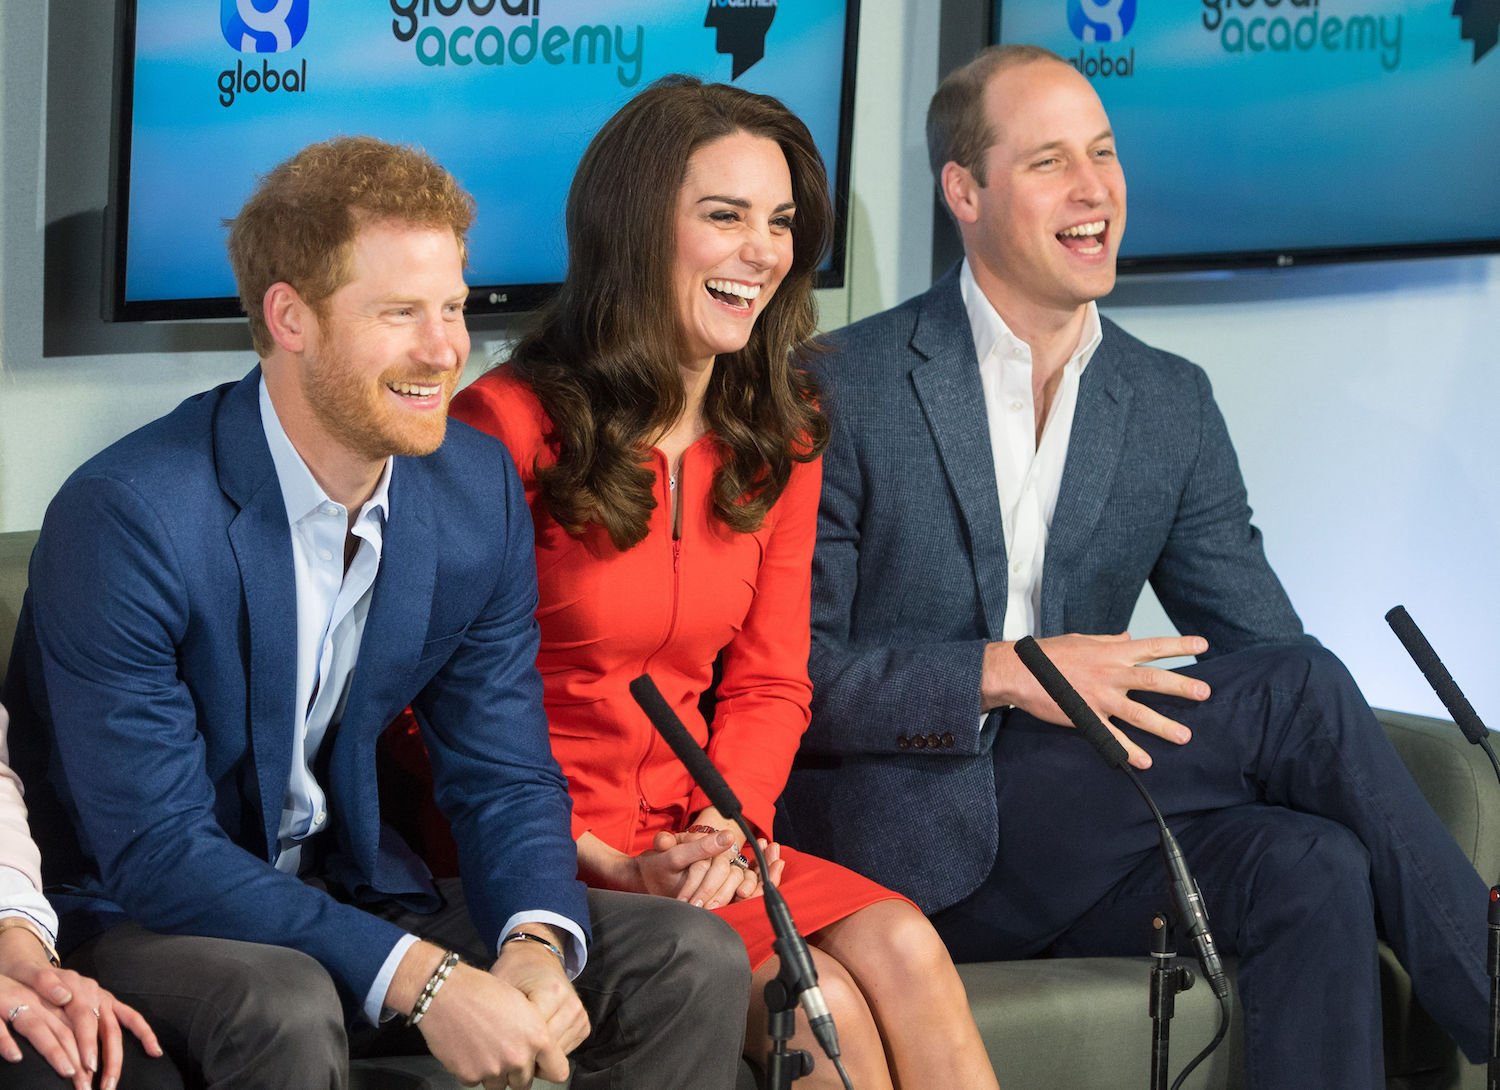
x,y
1359,396
1362,401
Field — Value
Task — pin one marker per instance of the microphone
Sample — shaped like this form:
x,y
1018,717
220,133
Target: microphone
x,y
789,944
1192,916
1468,721
1437,675
688,751
1072,703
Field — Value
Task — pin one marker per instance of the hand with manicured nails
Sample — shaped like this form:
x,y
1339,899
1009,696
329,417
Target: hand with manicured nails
x,y
73,1023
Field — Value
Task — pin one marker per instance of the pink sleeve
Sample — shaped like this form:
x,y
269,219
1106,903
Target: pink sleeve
x,y
18,852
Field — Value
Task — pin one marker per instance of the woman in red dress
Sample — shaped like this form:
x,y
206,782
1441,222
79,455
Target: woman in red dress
x,y
669,448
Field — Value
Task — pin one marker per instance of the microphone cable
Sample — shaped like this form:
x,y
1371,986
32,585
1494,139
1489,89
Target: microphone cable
x,y
1192,917
790,946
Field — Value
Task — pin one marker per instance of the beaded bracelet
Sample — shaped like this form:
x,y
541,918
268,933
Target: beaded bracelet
x,y
435,982
527,936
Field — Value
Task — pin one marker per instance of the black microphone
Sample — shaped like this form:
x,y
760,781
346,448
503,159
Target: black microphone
x,y
1436,674
1072,703
1192,916
789,944
689,752
1474,730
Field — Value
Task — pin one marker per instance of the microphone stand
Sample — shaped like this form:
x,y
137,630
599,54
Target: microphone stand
x,y
796,981
1166,981
1492,1079
1192,917
1187,901
783,1064
1475,731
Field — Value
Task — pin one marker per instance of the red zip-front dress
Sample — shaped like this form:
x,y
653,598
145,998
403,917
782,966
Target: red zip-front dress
x,y
669,607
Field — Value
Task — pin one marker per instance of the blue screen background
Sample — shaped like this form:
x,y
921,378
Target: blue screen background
x,y
1230,151
511,133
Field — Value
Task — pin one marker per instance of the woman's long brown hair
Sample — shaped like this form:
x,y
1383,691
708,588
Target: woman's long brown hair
x,y
604,356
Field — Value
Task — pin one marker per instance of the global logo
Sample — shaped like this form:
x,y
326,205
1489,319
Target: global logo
x,y
1479,22
263,26
1100,20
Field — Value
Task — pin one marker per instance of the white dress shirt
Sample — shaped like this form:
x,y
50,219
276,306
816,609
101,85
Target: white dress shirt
x,y
1028,473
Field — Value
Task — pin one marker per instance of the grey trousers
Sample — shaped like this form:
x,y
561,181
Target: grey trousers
x,y
666,988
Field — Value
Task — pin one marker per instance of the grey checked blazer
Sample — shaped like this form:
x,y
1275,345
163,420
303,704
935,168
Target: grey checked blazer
x,y
909,578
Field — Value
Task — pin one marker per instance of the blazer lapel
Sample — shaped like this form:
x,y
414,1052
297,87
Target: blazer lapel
x,y
262,546
952,399
1094,447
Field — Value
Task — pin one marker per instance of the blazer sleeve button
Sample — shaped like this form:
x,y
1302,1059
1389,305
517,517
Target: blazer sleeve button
x,y
919,742
948,740
903,742
935,741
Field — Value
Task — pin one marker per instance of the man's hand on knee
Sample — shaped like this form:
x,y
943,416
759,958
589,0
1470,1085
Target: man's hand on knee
x,y
481,1028
484,1030
1104,670
536,972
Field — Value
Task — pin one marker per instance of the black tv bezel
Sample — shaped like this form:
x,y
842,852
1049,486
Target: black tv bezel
x,y
1283,257
483,299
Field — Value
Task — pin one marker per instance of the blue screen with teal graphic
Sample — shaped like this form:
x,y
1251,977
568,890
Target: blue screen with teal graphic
x,y
1290,127
504,93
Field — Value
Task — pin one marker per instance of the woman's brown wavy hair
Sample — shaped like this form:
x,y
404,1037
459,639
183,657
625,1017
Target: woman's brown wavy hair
x,y
603,357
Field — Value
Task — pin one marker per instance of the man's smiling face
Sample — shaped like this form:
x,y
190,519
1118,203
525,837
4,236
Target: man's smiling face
x,y
1046,224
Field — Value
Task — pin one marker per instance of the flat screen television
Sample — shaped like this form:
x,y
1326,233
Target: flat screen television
x,y
1281,132
504,93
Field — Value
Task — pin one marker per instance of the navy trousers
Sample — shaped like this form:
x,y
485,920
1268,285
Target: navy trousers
x,y
1306,834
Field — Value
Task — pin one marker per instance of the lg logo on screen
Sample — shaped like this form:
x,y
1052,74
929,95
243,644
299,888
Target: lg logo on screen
x,y
1100,20
263,26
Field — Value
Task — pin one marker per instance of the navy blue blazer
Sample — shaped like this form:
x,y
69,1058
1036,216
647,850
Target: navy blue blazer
x,y
152,686
910,575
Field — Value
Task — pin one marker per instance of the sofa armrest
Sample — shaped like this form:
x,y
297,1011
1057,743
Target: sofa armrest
x,y
1457,779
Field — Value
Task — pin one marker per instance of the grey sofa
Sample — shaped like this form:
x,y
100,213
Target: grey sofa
x,y
1081,1023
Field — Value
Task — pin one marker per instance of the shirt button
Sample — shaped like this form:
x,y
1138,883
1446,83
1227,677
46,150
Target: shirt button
x,y
1015,567
330,509
1017,406
324,554
320,817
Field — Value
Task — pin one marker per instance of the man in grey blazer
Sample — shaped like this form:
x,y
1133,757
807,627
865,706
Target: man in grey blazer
x,y
1005,462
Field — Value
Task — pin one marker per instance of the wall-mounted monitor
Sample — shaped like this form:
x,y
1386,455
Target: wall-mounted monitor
x,y
1280,132
504,93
